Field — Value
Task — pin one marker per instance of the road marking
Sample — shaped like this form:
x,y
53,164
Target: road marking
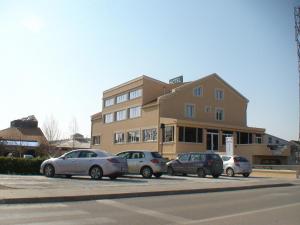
x,y
243,213
96,220
148,212
33,206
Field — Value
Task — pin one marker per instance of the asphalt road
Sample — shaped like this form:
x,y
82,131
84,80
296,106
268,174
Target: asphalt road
x,y
280,206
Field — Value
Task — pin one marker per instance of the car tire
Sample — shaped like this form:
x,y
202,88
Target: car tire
x,y
49,170
157,175
201,173
146,172
246,174
96,173
170,171
230,172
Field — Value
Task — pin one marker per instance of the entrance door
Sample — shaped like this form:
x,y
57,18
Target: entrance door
x,y
212,141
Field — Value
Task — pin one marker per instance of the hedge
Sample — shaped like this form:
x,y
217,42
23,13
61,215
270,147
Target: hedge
x,y
20,165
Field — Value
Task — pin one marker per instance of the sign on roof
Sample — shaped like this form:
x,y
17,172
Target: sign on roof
x,y
176,80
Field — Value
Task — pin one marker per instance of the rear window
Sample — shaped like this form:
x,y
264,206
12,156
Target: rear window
x,y
155,155
241,159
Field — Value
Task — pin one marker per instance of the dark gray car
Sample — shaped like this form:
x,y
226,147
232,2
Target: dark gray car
x,y
199,163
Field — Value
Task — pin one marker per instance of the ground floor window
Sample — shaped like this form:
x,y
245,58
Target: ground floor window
x,y
119,137
96,140
244,138
258,138
169,134
190,134
150,134
133,136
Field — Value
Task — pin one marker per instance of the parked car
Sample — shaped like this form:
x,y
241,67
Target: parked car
x,y
200,163
236,165
92,162
28,156
146,163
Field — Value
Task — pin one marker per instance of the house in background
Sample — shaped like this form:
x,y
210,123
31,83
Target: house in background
x,y
149,114
22,137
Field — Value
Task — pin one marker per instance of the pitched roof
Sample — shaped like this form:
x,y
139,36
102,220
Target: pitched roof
x,y
23,134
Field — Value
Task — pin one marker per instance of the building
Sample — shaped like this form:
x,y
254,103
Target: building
x,y
146,113
22,137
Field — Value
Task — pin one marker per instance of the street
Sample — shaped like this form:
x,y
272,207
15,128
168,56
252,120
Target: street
x,y
280,206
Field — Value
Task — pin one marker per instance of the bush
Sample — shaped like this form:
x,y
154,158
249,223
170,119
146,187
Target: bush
x,y
20,165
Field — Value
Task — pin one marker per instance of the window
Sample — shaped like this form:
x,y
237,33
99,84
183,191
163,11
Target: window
x,y
226,134
119,137
184,157
135,112
219,114
244,138
135,94
133,136
190,110
96,140
109,118
258,138
207,109
87,154
197,157
122,98
150,134
72,155
137,155
169,134
198,91
219,94
109,102
121,115
190,134
270,140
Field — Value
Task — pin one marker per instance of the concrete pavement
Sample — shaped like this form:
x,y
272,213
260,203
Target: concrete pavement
x,y
39,189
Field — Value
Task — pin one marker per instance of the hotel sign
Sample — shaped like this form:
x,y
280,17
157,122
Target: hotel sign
x,y
176,80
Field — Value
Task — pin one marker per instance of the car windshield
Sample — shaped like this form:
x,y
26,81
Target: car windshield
x,y
155,155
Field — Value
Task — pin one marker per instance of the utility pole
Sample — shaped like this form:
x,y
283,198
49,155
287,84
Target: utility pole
x,y
297,37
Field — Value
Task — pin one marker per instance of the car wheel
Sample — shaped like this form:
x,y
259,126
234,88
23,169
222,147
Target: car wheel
x,y
68,176
170,171
49,170
96,173
230,172
113,177
201,173
146,172
157,175
246,174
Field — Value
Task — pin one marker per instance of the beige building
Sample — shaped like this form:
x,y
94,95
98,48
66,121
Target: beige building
x,y
145,113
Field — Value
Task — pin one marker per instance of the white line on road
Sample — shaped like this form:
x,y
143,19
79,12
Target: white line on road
x,y
148,212
81,221
33,206
243,213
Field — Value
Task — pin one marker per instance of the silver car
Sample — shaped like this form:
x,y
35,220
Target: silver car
x,y
92,162
236,165
146,163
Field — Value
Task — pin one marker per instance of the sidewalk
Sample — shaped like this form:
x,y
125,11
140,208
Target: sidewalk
x,y
38,189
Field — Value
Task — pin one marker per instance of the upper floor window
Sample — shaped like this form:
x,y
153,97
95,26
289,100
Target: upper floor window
x,y
122,98
207,109
198,91
121,115
219,114
96,140
119,137
135,112
219,94
109,102
109,118
150,134
190,110
135,94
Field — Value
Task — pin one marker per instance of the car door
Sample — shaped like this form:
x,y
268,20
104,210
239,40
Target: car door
x,y
181,165
135,162
85,161
68,163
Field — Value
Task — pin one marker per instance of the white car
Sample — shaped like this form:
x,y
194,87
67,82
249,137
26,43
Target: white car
x,y
92,162
236,165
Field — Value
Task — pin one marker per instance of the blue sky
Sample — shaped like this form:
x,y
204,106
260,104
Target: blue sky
x,y
57,57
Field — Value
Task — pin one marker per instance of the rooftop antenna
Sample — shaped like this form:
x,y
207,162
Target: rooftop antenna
x,y
297,37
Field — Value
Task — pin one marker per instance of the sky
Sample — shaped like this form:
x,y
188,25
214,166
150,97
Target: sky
x,y
57,57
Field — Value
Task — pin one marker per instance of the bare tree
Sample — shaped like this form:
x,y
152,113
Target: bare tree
x,y
52,133
73,129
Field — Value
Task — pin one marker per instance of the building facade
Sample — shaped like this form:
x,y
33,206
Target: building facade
x,y
145,113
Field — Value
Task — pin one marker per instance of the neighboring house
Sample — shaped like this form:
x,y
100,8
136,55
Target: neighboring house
x,y
76,141
22,137
145,113
295,152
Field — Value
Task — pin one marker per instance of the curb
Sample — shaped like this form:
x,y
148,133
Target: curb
x,y
134,195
